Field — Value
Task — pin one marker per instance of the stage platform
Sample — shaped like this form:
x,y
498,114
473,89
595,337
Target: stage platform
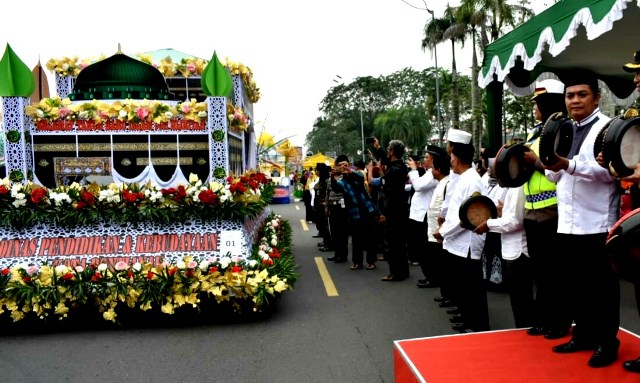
x,y
505,356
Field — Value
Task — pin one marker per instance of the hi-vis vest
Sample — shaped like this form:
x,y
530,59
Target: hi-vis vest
x,y
539,192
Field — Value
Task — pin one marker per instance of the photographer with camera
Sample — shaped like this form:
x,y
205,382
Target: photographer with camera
x,y
361,212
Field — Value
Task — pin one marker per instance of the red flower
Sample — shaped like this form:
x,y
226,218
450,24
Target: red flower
x,y
150,275
81,205
208,197
229,179
5,271
172,271
3,190
275,253
130,274
96,277
253,184
38,195
180,194
88,197
26,278
168,191
244,179
67,276
129,196
268,262
212,269
236,269
189,273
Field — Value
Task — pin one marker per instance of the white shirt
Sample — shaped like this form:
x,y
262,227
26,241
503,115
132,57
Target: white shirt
x,y
458,240
423,187
453,178
434,207
588,202
510,225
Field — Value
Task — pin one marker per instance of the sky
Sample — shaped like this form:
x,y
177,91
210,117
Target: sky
x,y
296,49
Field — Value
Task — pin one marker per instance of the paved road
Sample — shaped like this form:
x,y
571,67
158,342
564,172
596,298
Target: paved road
x,y
311,337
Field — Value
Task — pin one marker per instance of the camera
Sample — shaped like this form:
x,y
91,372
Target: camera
x,y
369,140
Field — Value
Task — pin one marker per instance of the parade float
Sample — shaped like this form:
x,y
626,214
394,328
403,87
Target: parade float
x,y
125,194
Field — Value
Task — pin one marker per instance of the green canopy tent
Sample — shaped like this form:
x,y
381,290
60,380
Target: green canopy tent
x,y
599,35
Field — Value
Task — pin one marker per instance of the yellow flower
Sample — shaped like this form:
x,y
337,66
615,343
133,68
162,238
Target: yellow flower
x,y
109,315
167,308
61,309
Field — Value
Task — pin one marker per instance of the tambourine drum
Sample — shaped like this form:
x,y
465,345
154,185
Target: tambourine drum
x,y
621,146
475,210
556,138
598,145
509,166
623,246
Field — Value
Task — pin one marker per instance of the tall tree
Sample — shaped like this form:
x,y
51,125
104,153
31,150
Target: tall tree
x,y
485,21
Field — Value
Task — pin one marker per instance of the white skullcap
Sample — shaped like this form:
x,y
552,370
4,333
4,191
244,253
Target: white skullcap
x,y
459,136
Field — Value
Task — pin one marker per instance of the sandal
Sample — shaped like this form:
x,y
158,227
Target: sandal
x,y
391,278
371,266
356,266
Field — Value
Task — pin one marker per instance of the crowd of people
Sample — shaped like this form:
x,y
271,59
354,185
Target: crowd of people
x,y
545,246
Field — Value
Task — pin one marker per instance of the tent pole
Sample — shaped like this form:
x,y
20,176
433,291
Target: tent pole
x,y
494,114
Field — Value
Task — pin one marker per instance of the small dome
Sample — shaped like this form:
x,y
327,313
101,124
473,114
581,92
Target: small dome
x,y
120,77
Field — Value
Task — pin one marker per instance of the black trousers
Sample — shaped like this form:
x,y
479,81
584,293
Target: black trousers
x,y
322,224
416,239
432,264
519,282
339,231
396,257
470,292
552,302
593,287
363,240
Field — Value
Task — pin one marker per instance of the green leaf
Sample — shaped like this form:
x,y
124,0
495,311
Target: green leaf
x,y
16,79
216,80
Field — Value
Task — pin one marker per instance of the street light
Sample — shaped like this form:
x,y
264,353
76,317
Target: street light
x,y
361,119
435,57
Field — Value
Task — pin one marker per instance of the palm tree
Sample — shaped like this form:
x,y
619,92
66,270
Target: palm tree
x,y
485,21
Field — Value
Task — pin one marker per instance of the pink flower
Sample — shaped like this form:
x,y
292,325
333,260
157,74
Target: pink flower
x,y
121,265
142,113
32,270
64,112
192,264
191,68
185,108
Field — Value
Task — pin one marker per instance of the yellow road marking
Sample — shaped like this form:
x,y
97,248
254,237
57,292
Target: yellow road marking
x,y
304,225
326,278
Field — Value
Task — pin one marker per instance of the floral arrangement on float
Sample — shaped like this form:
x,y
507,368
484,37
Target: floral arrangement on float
x,y
47,292
238,120
188,66
23,205
61,114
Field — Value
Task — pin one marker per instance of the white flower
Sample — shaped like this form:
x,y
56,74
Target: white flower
x,y
61,269
102,267
193,178
252,263
224,262
122,114
79,269
168,115
137,266
204,265
274,242
19,202
181,265
202,114
59,198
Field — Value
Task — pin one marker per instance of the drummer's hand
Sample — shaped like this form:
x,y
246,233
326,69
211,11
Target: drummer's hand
x,y
437,235
600,160
530,157
481,228
561,164
411,163
499,207
635,177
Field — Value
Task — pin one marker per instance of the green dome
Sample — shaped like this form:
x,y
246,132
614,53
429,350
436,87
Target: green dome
x,y
120,77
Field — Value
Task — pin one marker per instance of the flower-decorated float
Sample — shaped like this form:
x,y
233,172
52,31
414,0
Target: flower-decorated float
x,y
118,195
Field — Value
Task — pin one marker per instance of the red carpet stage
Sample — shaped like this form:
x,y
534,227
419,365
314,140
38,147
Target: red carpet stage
x,y
505,356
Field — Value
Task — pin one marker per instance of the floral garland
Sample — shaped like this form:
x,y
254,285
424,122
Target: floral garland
x,y
188,66
238,120
22,205
55,108
46,291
